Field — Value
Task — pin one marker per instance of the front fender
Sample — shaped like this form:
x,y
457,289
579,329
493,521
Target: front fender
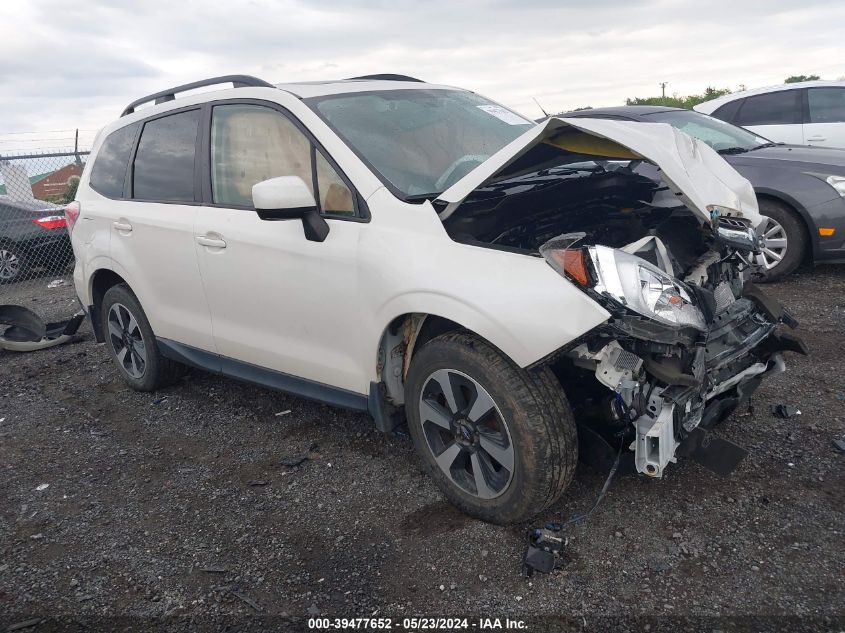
x,y
516,302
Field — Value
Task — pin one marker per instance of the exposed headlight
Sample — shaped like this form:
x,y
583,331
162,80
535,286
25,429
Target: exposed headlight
x,y
629,280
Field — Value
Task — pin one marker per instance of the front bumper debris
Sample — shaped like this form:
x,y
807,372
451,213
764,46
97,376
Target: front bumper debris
x,y
672,387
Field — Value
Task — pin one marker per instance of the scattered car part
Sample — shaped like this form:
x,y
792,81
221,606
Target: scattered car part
x,y
544,551
27,332
784,411
839,444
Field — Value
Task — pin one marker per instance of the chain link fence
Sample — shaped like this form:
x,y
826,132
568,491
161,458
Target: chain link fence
x,y
36,259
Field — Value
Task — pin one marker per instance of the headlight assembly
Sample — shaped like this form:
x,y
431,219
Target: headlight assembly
x,y
837,182
629,280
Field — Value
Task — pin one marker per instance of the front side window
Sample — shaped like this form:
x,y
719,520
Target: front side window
x,y
164,162
251,143
109,171
421,141
827,105
772,108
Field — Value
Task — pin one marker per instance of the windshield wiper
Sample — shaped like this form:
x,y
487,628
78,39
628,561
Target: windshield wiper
x,y
733,150
770,144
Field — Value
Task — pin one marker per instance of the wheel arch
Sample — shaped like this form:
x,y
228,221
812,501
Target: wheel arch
x,y
101,281
402,338
779,197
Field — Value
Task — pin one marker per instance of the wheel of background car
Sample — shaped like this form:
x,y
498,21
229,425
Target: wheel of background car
x,y
498,440
12,263
444,179
784,241
131,342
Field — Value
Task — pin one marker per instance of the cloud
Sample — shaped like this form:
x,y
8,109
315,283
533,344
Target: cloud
x,y
78,64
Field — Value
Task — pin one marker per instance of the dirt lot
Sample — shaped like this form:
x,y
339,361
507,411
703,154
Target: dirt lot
x,y
175,508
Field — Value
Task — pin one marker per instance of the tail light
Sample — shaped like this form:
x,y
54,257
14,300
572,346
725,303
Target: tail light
x,y
72,215
51,222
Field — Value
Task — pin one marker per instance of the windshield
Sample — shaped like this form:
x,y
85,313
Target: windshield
x,y
721,136
420,141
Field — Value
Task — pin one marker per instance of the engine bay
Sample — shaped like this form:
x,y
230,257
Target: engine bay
x,y
690,337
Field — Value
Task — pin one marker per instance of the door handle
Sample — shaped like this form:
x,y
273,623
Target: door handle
x,y
211,242
817,138
122,226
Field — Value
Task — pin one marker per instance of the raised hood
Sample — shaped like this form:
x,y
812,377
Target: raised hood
x,y
690,168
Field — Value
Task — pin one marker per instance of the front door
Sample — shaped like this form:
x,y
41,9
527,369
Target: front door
x,y
279,301
825,125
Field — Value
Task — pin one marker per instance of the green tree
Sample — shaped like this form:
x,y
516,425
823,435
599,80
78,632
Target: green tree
x,y
72,186
676,101
794,79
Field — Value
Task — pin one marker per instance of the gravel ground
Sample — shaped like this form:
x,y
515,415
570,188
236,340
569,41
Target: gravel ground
x,y
177,509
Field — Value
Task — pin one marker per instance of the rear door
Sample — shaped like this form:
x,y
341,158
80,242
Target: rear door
x,y
279,301
773,115
825,124
152,233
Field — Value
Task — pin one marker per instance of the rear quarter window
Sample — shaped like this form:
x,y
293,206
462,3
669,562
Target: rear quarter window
x,y
728,111
108,174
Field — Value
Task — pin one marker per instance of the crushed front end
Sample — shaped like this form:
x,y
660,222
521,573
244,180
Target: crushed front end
x,y
678,356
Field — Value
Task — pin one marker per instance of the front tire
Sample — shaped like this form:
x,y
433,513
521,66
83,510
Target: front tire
x,y
132,344
498,440
784,241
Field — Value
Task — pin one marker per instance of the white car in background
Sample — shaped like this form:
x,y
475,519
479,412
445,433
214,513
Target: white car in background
x,y
805,113
423,253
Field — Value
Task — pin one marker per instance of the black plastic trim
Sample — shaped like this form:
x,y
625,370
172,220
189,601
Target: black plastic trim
x,y
163,96
386,77
240,370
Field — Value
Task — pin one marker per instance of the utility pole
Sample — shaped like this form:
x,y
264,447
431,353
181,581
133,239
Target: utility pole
x,y
76,147
663,91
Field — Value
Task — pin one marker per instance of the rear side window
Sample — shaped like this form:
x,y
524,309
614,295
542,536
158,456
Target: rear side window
x,y
109,171
728,111
827,105
164,162
772,108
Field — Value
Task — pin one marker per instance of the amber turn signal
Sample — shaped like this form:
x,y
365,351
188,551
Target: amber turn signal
x,y
574,263
826,232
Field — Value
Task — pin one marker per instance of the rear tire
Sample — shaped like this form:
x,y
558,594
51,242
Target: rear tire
x,y
524,447
132,344
787,239
13,263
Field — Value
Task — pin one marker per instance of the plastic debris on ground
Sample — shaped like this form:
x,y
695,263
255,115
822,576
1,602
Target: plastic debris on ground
x,y
784,411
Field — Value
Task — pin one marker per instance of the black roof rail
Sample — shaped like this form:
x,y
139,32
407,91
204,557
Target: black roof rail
x,y
388,77
238,81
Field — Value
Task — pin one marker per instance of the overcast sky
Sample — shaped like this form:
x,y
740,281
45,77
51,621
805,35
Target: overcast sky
x,y
77,64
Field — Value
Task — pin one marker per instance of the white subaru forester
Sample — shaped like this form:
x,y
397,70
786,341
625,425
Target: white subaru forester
x,y
422,253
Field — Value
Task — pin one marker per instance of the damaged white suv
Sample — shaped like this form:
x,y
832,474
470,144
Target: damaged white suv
x,y
420,252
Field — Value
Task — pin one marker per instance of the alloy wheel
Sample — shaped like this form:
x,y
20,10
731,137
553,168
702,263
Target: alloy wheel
x,y
773,243
127,341
466,433
10,265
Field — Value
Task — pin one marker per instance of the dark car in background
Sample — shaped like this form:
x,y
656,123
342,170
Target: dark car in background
x,y
800,189
33,234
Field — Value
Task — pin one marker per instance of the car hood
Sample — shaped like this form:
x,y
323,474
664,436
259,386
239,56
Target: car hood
x,y
690,168
802,155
